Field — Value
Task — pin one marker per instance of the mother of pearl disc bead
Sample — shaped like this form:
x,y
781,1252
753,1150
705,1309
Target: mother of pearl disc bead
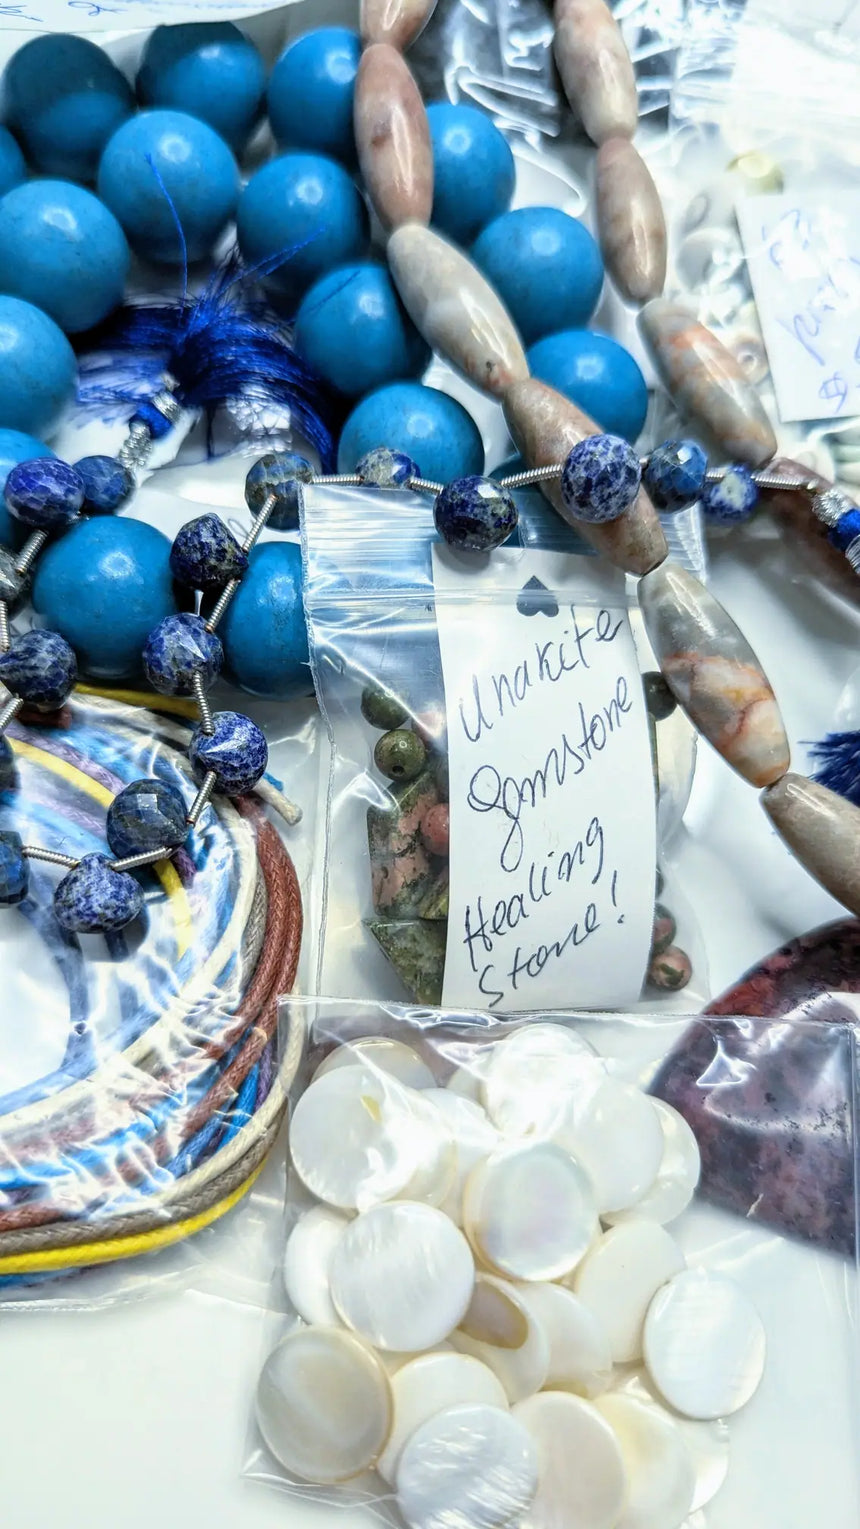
x,y
473,1467
678,1174
307,1261
615,1135
704,1344
324,1404
707,1440
661,1478
533,1076
582,1478
619,1277
579,1354
381,1054
502,1331
529,1211
429,1384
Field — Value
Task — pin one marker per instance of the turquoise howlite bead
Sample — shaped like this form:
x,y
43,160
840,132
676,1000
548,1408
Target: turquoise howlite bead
x,y
473,170
63,250
38,370
14,870
264,632
306,210
545,266
64,98
13,168
429,426
354,332
595,373
209,69
311,92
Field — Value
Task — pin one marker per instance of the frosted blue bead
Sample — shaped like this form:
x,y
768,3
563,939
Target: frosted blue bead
x,y
846,530
94,898
64,98
46,494
14,870
264,631
145,815
15,447
600,478
206,555
475,514
354,332
209,69
429,426
311,92
107,484
675,475
595,373
473,170
303,212
382,468
7,765
41,668
13,170
236,750
63,250
279,473
105,585
38,370
196,170
179,649
545,266
732,499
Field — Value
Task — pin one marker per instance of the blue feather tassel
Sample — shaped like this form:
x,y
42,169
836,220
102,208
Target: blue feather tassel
x,y
838,761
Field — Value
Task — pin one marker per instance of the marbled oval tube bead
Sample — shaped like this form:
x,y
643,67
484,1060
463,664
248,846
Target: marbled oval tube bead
x,y
545,427
630,221
706,382
595,69
392,136
397,22
714,674
456,310
822,830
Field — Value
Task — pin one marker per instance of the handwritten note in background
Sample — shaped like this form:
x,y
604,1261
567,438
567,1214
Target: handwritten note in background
x,y
551,792
804,260
107,15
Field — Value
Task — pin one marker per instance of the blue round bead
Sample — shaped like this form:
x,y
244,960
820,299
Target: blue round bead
x,y
473,170
382,468
41,668
14,870
601,478
236,750
15,447
354,332
732,499
430,427
545,266
675,475
46,494
94,898
265,636
7,765
595,373
108,484
846,530
145,815
38,370
64,99
61,249
160,152
475,514
311,92
280,473
206,555
13,169
304,212
209,69
178,650
105,585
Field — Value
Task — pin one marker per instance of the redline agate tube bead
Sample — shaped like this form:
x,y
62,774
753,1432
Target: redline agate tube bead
x,y
595,69
392,136
397,22
630,221
822,830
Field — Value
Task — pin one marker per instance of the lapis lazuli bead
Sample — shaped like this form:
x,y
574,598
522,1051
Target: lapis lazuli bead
x,y
475,514
14,870
601,478
145,815
7,765
206,555
156,423
41,668
675,475
236,751
846,530
382,468
177,650
46,494
733,498
108,484
94,898
280,473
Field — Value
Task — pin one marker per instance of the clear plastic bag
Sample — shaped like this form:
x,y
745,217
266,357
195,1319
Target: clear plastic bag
x,y
772,1103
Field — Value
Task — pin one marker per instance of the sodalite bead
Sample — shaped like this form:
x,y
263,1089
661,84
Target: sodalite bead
x,y
145,815
732,499
14,870
11,581
45,494
178,649
94,898
108,484
601,478
279,473
236,751
206,554
675,475
382,468
41,668
475,514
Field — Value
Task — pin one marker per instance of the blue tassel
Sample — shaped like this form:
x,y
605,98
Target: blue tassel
x,y
838,761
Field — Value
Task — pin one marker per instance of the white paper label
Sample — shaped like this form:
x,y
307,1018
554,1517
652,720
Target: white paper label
x,y
804,260
551,789
109,15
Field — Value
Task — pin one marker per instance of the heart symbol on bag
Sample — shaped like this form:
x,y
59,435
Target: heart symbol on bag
x,y
534,597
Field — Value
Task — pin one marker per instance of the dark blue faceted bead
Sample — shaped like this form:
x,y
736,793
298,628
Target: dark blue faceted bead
x,y
14,870
41,668
732,499
94,898
475,514
45,493
675,475
205,555
382,468
156,423
177,649
145,815
236,751
7,765
601,478
108,484
846,529
280,473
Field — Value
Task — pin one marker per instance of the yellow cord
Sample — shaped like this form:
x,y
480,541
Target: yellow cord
x,y
177,704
